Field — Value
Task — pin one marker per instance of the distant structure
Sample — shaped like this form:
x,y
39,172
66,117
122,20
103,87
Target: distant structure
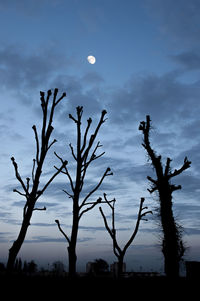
x,y
193,269
114,268
90,267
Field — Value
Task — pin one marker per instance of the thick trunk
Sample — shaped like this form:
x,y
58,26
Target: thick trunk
x,y
72,261
14,250
171,239
120,266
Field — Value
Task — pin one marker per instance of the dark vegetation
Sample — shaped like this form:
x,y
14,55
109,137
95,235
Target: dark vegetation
x,y
172,245
84,153
54,286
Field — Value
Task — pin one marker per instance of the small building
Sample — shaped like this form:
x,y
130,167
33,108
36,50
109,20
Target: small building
x,y
193,269
114,268
90,267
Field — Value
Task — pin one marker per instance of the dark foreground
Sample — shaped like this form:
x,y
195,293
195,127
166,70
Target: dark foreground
x,y
56,288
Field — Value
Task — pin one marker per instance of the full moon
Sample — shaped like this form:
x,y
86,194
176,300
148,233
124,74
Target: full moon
x,y
91,59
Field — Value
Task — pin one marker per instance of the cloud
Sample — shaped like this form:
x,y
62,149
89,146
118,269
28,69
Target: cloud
x,y
94,229
92,78
43,224
179,20
190,60
22,71
28,7
165,98
80,94
191,231
46,239
38,205
4,236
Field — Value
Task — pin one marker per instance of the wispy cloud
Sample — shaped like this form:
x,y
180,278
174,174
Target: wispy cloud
x,y
46,239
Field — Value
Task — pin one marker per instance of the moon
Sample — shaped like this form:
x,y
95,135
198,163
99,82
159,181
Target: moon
x,y
91,59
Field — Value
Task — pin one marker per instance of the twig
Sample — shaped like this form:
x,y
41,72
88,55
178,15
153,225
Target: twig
x,y
59,227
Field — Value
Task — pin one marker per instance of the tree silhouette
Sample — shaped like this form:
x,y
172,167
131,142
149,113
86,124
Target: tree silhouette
x,y
172,244
83,157
58,268
120,252
100,266
31,193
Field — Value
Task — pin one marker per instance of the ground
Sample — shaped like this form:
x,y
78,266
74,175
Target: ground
x,y
43,287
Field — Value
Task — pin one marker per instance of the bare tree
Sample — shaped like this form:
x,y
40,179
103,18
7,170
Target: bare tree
x,y
120,252
172,244
31,193
83,157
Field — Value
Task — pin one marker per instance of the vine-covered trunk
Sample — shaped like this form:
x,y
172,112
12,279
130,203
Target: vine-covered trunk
x,y
171,244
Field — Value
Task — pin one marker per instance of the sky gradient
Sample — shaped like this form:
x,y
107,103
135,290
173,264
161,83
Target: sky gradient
x,y
147,63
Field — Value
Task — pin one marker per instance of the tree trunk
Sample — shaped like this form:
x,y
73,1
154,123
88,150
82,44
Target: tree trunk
x,y
14,250
120,266
72,244
72,260
171,239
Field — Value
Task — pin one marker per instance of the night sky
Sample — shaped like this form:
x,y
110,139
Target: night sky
x,y
147,63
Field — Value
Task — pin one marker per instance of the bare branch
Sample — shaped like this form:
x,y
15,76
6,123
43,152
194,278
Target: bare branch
x,y
50,128
37,143
106,173
52,178
71,117
139,218
66,170
116,249
40,209
63,95
23,194
185,165
54,141
92,158
33,169
59,227
72,150
55,95
105,222
18,175
109,202
27,184
174,187
70,195
93,136
156,160
152,189
152,180
167,167
89,121
93,204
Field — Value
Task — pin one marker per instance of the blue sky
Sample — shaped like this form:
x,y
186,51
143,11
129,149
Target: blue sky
x,y
147,62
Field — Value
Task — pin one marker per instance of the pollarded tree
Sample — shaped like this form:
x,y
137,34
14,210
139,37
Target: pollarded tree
x,y
31,189
85,154
172,244
118,251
